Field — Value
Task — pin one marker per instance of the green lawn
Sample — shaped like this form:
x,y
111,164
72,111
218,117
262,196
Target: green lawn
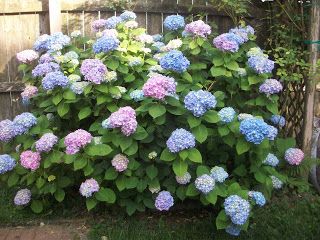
x,y
289,217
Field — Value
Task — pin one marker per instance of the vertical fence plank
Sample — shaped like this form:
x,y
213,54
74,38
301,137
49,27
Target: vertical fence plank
x,y
55,15
88,19
3,50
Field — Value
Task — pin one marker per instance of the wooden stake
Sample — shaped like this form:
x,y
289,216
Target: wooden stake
x,y
55,15
311,82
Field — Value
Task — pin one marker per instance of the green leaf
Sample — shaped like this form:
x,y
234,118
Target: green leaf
x,y
56,99
69,95
36,206
63,109
179,167
133,149
59,194
98,150
84,113
217,71
193,121
194,155
80,163
132,182
273,107
40,182
284,143
111,174
91,203
152,171
167,156
112,64
222,220
240,170
13,179
102,88
129,78
121,183
260,176
192,190
223,130
200,132
181,192
242,146
106,195
212,197
140,133
187,77
211,116
234,188
157,110
202,170
217,60
232,65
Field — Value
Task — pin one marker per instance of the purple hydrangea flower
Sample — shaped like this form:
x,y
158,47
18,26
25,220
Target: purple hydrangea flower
x,y
98,25
54,79
237,209
180,139
7,130
46,142
46,58
88,187
198,28
174,61
261,64
278,120
227,42
41,44
227,114
76,140
271,160
174,22
270,86
164,201
105,44
27,56
294,156
183,180
199,102
205,183
218,174
23,122
112,22
255,130
22,197
30,160
93,70
257,197
120,162
159,86
44,68
7,163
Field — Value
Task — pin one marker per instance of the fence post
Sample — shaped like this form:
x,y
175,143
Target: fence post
x,y
311,82
55,15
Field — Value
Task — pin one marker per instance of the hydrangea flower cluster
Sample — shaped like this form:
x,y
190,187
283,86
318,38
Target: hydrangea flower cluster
x,y
110,76
261,64
159,86
227,114
7,131
243,116
44,68
135,61
46,58
7,163
131,24
174,22
46,142
199,102
51,43
164,201
273,132
93,70
228,42
278,120
233,230
88,187
145,38
120,162
75,34
276,182
237,208
271,160
183,180
219,174
28,92
76,140
78,87
174,61
98,25
171,45
243,32
152,155
105,44
112,22
124,118
30,160
180,139
110,33
257,197
198,29
204,183
22,197
242,72
255,130
294,156
53,80
23,122
27,56
128,15
270,86
137,95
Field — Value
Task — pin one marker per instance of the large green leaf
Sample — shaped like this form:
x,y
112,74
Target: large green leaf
x,y
84,113
200,132
194,155
222,220
106,195
36,206
167,156
157,110
242,146
98,150
179,167
152,171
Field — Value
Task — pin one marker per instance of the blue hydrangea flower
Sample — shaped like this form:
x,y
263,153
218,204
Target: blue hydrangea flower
x,y
205,183
257,197
158,46
270,86
54,79
135,61
276,182
183,180
273,132
179,140
255,130
57,41
78,87
241,32
234,37
137,95
23,122
175,61
7,130
227,114
278,120
41,43
44,68
128,15
219,174
112,22
7,163
105,44
157,37
106,124
237,209
233,230
174,22
199,102
164,201
271,160
261,64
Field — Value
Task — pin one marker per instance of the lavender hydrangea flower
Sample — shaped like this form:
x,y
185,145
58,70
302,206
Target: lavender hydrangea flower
x,y
227,114
174,22
128,15
257,197
276,182
23,122
294,156
7,130
46,58
270,86
159,86
204,183
237,209
76,140
112,22
233,230
164,201
93,70
41,44
243,32
198,28
120,162
53,80
98,25
218,174
137,95
27,56
271,160
28,92
46,142
22,197
199,102
273,132
78,87
105,44
183,180
174,61
7,163
227,42
255,130
278,120
261,64
88,187
30,160
44,68
179,140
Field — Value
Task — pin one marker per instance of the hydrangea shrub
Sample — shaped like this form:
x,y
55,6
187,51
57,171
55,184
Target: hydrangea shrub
x,y
146,122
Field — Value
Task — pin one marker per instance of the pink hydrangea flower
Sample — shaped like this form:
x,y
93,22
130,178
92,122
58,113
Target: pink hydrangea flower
x,y
88,187
159,86
30,160
29,92
198,28
27,56
76,140
120,162
294,156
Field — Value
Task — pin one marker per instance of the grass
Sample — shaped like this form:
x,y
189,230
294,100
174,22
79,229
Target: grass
x,y
289,217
